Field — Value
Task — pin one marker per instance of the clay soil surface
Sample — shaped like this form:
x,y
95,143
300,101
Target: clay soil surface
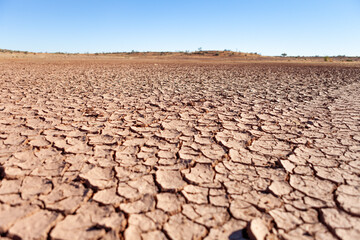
x,y
156,148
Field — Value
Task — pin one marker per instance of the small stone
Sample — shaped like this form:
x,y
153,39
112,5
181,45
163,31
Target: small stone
x,y
257,229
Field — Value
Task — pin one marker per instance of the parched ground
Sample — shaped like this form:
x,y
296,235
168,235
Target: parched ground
x,y
109,150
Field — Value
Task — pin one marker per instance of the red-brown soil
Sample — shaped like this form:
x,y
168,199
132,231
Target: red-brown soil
x,y
199,147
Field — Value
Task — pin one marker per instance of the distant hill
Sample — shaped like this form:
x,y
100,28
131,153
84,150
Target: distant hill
x,y
149,53
217,55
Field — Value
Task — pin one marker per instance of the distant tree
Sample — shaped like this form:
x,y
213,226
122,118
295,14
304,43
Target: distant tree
x,y
283,54
200,49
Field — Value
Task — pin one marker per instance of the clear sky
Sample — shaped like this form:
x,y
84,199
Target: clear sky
x,y
269,27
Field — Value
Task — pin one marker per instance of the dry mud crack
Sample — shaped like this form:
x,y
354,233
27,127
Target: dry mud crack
x,y
107,150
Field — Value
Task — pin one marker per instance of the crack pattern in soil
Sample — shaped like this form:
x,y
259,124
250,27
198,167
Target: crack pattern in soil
x,y
103,150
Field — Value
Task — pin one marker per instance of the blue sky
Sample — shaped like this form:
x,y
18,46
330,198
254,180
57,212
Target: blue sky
x,y
269,27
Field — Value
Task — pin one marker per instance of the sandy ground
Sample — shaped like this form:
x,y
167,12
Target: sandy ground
x,y
153,149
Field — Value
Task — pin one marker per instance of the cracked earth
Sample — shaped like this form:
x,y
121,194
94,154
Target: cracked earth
x,y
106,150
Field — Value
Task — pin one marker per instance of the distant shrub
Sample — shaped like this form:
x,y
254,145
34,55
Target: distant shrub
x,y
326,59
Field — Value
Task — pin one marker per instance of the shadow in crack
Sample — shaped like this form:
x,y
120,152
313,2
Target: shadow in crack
x,y
2,172
239,235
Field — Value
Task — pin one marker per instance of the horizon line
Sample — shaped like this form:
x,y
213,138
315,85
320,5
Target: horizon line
x,y
2,50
